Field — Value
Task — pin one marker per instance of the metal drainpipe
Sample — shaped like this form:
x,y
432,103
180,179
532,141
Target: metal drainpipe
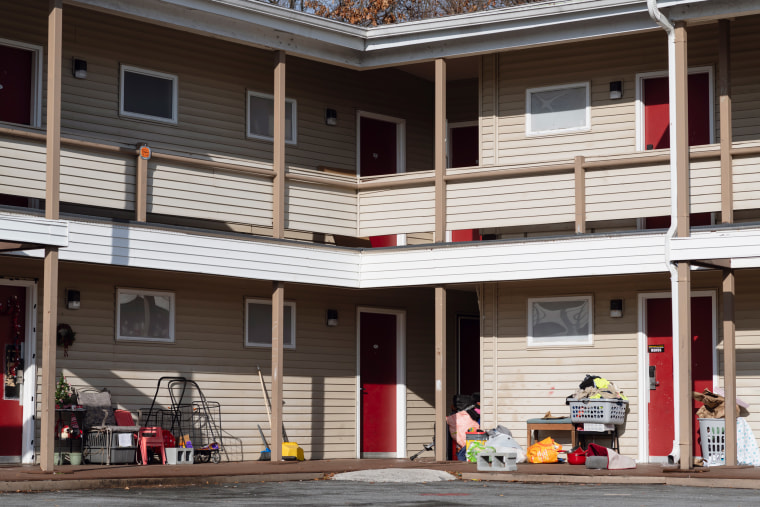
x,y
662,20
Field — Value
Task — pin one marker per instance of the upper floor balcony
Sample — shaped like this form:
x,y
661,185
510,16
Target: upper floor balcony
x,y
553,140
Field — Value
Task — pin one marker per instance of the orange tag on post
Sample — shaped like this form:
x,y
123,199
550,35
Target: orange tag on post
x,y
145,152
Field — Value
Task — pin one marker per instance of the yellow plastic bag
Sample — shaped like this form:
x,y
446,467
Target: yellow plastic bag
x,y
544,451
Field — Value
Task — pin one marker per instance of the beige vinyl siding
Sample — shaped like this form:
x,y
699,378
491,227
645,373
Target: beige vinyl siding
x,y
532,381
321,208
97,179
209,194
319,375
23,167
642,191
511,201
613,122
746,180
745,95
747,340
397,210
213,78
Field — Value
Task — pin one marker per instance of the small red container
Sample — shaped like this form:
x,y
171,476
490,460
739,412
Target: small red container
x,y
577,457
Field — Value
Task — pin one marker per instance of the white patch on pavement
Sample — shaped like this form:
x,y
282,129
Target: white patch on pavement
x,y
395,475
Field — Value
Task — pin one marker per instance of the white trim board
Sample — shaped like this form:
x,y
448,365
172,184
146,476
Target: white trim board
x,y
29,387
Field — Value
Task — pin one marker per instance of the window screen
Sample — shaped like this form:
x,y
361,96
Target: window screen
x,y
261,117
558,109
259,324
559,321
147,94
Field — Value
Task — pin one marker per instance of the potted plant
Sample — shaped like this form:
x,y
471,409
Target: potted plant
x,y
62,393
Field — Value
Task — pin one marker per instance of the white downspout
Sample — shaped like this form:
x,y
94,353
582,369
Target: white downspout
x,y
663,21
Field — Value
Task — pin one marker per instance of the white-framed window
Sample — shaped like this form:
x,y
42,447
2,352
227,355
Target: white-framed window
x,y
560,321
260,117
258,323
21,83
557,109
144,315
148,94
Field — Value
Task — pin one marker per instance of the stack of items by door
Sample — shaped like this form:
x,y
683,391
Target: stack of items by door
x,y
464,418
712,429
598,406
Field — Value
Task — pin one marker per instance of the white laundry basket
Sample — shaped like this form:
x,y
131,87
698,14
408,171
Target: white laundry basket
x,y
712,434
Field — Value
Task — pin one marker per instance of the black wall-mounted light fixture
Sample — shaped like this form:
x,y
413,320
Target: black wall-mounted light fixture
x,y
73,301
616,308
616,90
332,318
79,68
331,117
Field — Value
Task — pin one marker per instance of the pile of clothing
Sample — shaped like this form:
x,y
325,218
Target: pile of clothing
x,y
595,387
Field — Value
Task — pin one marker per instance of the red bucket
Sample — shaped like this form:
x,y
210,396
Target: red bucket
x,y
577,457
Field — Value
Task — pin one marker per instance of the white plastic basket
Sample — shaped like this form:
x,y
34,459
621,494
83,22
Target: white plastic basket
x,y
712,433
602,411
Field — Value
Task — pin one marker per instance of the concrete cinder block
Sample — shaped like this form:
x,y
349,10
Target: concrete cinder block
x,y
497,461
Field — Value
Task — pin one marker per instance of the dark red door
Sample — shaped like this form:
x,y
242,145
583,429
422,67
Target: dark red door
x,y
464,146
12,329
469,355
660,351
16,82
377,147
657,111
377,369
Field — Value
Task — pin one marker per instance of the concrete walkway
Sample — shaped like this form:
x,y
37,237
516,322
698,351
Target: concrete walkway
x,y
31,478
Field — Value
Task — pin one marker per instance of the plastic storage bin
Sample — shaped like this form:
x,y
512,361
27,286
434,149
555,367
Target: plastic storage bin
x,y
96,449
712,433
602,411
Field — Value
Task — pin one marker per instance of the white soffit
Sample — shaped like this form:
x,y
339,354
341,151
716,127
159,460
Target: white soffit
x,y
289,261
741,245
529,260
33,230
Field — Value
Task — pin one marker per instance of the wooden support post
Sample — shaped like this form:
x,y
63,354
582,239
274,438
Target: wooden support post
x,y
682,129
141,189
440,150
726,125
441,403
683,313
278,157
729,362
52,200
278,335
580,195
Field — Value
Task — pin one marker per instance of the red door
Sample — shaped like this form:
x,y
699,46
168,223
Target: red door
x,y
12,332
464,146
657,111
377,369
16,82
469,355
659,331
377,147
